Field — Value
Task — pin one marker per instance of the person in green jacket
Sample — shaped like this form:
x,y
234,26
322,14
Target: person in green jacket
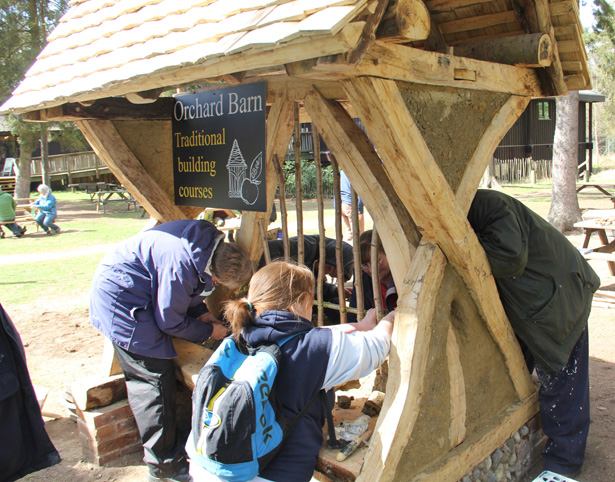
x,y
7,214
546,288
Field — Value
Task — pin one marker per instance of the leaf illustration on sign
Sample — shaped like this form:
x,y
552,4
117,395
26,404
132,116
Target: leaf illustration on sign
x,y
256,167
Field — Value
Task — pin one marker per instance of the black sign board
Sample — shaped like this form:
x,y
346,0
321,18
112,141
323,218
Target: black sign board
x,y
219,141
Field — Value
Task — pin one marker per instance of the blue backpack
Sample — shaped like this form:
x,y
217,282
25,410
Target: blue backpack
x,y
237,424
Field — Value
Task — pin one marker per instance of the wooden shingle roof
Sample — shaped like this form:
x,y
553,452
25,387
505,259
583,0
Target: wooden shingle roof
x,y
105,48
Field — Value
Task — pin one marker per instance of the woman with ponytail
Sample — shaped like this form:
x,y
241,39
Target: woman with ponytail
x,y
279,304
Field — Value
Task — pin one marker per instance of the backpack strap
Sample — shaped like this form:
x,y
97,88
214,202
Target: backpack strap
x,y
293,423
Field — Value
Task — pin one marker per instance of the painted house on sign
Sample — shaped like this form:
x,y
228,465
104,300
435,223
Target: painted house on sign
x,y
237,168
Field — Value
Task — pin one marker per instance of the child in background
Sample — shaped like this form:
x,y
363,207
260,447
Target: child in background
x,y
278,304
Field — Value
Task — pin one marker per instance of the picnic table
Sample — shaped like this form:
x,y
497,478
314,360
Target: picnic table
x,y
608,189
606,251
92,187
114,196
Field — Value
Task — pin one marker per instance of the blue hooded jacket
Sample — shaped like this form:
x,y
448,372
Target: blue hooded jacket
x,y
301,375
153,286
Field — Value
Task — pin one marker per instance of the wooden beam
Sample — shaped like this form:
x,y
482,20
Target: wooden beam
x,y
405,21
95,392
475,23
111,148
368,35
457,396
400,62
414,318
465,457
446,5
572,66
531,50
105,109
279,131
538,18
356,155
423,189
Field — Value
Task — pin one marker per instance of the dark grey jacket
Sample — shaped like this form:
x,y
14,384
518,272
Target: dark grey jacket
x,y
25,446
545,285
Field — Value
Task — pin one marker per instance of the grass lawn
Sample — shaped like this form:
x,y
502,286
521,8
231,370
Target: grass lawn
x,y
68,267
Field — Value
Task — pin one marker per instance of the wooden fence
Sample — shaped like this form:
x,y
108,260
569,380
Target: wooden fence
x,y
520,170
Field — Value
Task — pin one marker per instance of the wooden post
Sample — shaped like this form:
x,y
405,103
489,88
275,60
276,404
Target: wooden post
x,y
320,280
266,254
298,188
283,212
375,274
356,251
338,240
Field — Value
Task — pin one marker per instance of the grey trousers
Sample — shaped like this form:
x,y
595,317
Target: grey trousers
x,y
151,387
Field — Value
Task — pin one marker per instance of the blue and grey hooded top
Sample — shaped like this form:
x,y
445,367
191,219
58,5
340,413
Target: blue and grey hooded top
x,y
154,285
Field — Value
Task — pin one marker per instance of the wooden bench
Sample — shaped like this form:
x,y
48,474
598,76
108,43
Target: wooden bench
x,y
22,215
603,188
604,252
121,196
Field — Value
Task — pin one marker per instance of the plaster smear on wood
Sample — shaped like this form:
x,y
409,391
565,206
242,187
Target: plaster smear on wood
x,y
452,122
150,141
489,390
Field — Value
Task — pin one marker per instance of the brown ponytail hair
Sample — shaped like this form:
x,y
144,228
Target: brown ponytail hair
x,y
278,286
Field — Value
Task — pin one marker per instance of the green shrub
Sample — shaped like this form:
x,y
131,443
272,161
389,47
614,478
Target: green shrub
x,y
308,179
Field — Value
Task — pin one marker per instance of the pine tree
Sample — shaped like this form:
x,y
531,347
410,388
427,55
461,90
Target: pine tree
x,y
24,26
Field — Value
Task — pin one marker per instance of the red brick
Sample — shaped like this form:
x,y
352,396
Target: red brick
x,y
106,415
105,446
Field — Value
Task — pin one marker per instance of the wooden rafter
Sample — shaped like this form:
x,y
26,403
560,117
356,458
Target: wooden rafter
x,y
398,62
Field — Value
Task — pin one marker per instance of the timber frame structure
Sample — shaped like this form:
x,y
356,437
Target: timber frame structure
x,y
436,83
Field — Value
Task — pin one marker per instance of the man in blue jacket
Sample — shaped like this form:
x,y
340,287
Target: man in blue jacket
x,y
546,288
150,288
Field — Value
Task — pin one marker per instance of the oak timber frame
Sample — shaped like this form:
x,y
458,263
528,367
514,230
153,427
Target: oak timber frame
x,y
451,333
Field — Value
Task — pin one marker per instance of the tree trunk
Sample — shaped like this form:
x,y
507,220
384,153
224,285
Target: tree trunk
x,y
23,170
564,203
45,169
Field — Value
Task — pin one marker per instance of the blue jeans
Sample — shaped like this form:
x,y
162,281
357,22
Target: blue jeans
x,y
14,227
45,221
